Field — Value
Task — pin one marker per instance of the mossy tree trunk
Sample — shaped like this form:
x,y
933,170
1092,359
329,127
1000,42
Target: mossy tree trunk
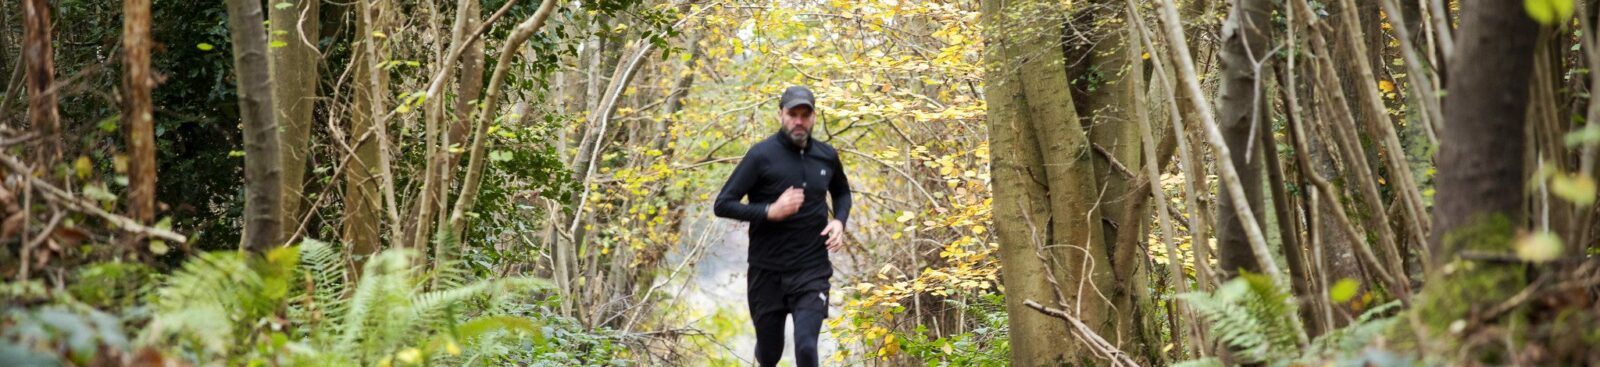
x,y
1478,205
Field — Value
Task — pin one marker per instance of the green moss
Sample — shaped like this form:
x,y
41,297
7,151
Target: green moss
x,y
1461,289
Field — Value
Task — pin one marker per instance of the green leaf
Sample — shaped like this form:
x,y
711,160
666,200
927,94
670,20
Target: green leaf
x,y
283,5
278,44
109,124
83,167
159,247
1344,290
235,153
204,46
98,191
1586,135
1540,11
1538,247
1578,189
500,156
1549,12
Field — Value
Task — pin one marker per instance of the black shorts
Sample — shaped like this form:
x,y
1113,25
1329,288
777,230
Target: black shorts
x,y
786,291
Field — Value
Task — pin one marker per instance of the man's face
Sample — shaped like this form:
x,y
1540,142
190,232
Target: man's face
x,y
797,123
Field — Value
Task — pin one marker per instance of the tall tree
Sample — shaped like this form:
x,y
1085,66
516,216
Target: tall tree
x,y
1042,152
1246,42
295,31
39,57
137,110
1477,205
1113,130
364,201
262,209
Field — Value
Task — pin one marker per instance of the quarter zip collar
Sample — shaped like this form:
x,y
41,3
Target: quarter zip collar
x,y
790,143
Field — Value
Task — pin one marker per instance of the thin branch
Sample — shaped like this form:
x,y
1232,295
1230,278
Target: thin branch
x,y
1087,335
1230,174
62,197
902,173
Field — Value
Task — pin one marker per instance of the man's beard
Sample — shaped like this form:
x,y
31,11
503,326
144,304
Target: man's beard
x,y
798,138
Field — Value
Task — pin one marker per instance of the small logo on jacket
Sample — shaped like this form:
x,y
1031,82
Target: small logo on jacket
x,y
824,172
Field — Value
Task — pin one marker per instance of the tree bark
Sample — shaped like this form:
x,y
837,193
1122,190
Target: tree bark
x,y
1246,38
1114,127
1323,230
262,210
1230,174
469,90
1289,232
137,110
1020,224
1379,123
469,186
1477,205
294,72
5,58
1040,145
39,58
364,202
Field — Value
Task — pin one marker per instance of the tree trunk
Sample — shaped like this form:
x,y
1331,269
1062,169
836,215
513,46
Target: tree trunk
x,y
1114,130
1020,224
1289,229
363,211
470,86
262,211
1476,206
1246,37
1325,232
5,59
40,60
294,73
137,110
1040,144
469,186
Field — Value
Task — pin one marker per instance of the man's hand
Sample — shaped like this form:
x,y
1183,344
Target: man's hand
x,y
835,233
786,205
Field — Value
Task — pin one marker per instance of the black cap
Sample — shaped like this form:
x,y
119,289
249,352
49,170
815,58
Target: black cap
x,y
795,96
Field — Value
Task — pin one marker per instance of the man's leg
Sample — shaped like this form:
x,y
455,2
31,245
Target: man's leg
x,y
810,304
768,312
807,327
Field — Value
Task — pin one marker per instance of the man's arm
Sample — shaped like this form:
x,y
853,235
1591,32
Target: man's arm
x,y
744,177
839,187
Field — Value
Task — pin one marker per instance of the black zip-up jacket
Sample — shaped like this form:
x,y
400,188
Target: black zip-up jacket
x,y
770,167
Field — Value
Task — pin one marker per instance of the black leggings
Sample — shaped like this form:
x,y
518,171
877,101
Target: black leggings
x,y
774,295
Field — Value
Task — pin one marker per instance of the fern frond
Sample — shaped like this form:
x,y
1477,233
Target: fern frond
x,y
1249,314
385,289
202,300
1352,338
323,267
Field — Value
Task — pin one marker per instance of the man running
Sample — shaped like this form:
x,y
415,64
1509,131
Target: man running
x,y
788,176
